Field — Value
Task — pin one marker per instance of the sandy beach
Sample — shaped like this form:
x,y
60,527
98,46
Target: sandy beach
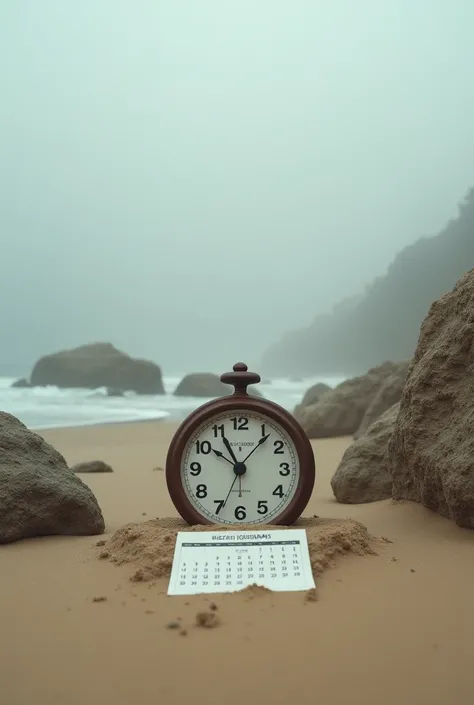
x,y
387,628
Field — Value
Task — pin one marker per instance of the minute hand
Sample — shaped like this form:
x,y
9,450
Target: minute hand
x,y
261,442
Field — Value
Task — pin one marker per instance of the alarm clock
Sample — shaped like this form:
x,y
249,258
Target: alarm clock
x,y
240,459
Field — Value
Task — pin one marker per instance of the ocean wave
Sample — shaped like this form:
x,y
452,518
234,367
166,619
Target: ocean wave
x,y
52,407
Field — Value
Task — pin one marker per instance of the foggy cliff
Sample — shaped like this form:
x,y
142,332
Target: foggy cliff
x,y
384,323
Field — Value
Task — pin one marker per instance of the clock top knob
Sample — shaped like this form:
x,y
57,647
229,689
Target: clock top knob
x,y
240,378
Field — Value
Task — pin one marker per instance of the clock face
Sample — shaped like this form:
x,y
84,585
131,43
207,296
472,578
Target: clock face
x,y
240,467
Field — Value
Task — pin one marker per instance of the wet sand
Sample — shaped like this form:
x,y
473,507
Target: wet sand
x,y
387,628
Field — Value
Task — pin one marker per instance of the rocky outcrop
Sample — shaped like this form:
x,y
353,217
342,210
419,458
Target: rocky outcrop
x,y
98,365
431,450
39,495
363,475
340,411
91,466
389,393
21,383
206,385
314,393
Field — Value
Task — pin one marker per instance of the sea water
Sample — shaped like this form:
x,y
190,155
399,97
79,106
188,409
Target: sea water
x,y
50,407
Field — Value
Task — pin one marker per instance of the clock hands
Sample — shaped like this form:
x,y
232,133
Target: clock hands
x,y
229,492
238,466
261,442
221,455
229,448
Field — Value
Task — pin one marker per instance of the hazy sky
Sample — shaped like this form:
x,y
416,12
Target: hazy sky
x,y
189,179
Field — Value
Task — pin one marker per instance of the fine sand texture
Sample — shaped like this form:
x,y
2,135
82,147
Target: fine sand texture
x,y
86,620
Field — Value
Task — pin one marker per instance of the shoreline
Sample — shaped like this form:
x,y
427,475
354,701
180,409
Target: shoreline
x,y
94,424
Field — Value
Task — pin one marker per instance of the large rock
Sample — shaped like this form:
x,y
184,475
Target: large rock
x,y
39,495
340,411
314,393
389,393
207,385
98,365
363,475
431,450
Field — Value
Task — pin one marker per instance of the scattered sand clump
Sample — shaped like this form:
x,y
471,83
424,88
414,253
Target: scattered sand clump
x,y
208,620
149,546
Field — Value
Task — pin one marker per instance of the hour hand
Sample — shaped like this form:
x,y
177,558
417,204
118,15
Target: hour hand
x,y
229,448
221,455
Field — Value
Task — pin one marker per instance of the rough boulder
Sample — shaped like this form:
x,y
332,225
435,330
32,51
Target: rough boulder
x,y
98,365
431,451
363,475
389,393
313,394
339,412
39,495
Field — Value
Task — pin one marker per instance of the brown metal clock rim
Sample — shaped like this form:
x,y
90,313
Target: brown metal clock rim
x,y
252,404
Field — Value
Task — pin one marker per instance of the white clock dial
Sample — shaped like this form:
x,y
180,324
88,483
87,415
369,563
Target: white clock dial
x,y
240,467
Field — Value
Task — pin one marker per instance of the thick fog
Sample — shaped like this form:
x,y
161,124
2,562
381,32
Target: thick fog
x,y
190,179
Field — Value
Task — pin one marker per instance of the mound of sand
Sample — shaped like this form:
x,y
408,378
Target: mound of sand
x,y
149,546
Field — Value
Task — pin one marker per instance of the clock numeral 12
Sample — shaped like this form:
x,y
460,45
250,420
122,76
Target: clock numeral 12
x,y
240,424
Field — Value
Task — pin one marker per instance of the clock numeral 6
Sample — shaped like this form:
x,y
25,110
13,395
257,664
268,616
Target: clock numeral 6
x,y
240,513
262,507
278,445
285,469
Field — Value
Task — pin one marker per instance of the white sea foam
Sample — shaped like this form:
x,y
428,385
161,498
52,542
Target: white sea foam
x,y
50,407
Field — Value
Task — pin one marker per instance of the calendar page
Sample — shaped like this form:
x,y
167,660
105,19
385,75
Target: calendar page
x,y
207,562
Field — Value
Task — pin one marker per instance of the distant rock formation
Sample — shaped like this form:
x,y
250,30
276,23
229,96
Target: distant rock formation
x,y
431,450
39,495
340,411
206,385
98,365
363,475
21,383
91,466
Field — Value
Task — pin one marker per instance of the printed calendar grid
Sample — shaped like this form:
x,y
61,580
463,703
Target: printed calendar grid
x,y
225,566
